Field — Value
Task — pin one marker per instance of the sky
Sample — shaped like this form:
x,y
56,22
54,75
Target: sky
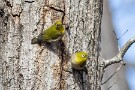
x,y
123,17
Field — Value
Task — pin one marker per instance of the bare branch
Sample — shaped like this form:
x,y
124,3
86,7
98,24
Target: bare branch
x,y
122,35
120,54
113,73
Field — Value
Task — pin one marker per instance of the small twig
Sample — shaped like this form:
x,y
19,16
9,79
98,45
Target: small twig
x,y
122,35
113,73
118,58
113,83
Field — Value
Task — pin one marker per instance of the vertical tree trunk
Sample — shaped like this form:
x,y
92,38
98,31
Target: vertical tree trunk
x,y
24,66
84,34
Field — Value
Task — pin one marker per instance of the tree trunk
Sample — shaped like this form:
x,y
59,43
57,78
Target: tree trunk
x,y
24,66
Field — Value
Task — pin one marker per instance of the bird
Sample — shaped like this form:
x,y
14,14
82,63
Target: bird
x,y
52,34
78,60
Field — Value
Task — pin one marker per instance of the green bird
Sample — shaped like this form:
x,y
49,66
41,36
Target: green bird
x,y
52,34
78,60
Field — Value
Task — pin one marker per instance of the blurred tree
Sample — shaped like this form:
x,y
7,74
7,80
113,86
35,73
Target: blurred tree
x,y
109,44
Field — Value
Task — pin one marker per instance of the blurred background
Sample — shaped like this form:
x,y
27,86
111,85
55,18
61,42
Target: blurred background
x,y
118,24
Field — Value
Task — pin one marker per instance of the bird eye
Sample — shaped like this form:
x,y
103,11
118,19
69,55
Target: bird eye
x,y
83,55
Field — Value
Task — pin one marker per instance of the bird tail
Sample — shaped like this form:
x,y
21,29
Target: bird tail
x,y
34,41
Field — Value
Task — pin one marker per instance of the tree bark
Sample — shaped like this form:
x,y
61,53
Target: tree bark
x,y
24,66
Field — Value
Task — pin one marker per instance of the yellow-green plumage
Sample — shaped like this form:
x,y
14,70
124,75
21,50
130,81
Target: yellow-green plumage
x,y
78,60
53,33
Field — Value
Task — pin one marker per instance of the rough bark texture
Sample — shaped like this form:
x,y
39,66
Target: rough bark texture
x,y
24,66
84,34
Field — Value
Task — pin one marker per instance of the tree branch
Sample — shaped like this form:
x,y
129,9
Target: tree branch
x,y
118,58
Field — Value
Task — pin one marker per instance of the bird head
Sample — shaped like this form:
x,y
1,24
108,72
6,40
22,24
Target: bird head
x,y
59,27
82,56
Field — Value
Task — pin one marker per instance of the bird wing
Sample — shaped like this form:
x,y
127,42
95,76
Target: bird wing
x,y
83,64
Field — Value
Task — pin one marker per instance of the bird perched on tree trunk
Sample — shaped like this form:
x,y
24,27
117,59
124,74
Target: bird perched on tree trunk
x,y
78,60
52,34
